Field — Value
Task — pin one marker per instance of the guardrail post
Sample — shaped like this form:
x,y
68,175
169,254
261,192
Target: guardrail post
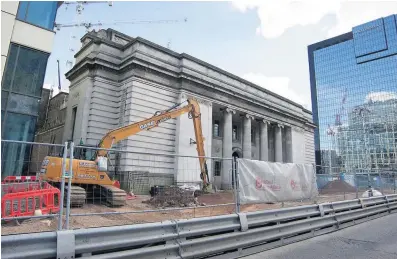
x,y
70,176
394,182
321,209
387,203
65,152
243,222
66,244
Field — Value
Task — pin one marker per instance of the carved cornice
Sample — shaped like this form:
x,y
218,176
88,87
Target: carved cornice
x,y
198,99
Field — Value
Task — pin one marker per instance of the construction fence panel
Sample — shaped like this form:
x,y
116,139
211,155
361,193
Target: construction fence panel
x,y
26,197
156,186
262,181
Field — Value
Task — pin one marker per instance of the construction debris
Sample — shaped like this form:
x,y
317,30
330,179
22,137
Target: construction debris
x,y
337,186
173,196
371,193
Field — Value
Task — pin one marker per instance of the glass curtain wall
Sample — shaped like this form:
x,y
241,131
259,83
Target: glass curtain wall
x,y
356,84
21,91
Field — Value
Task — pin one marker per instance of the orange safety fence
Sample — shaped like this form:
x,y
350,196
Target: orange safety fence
x,y
23,195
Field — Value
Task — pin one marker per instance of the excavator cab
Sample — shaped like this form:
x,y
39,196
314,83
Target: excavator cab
x,y
85,153
81,153
90,154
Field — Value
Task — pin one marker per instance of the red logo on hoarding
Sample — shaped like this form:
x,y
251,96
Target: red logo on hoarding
x,y
258,183
293,184
263,184
296,186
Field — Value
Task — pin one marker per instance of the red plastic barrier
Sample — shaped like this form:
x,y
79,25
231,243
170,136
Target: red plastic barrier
x,y
20,179
19,187
23,198
12,184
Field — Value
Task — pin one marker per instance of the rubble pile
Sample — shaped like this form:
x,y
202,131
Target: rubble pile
x,y
337,186
173,196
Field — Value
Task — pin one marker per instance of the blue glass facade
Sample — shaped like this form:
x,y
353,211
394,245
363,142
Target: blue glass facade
x,y
354,97
20,96
21,89
39,13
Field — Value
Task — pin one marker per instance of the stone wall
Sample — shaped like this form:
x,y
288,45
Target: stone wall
x,y
142,100
51,131
140,182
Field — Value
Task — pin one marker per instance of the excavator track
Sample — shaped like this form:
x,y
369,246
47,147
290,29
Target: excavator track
x,y
112,196
77,196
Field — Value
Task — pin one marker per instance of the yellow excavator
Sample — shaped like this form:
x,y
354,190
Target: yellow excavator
x,y
90,175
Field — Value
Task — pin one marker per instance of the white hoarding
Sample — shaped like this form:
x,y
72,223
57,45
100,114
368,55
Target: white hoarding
x,y
261,181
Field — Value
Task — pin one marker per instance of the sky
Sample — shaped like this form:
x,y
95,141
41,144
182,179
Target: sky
x,y
262,41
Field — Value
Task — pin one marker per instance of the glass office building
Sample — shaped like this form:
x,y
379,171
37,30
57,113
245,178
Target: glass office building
x,y
353,81
22,79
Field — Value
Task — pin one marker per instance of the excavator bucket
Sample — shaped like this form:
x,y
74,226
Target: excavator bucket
x,y
208,188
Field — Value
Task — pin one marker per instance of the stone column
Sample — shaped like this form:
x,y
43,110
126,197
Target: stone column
x,y
278,145
288,144
227,149
247,136
264,150
257,141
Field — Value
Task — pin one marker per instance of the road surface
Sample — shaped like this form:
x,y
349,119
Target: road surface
x,y
373,239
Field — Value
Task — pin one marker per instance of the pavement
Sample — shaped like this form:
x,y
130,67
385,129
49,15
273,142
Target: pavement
x,y
373,239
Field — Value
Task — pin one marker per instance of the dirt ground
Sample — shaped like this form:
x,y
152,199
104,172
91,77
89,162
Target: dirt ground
x,y
136,206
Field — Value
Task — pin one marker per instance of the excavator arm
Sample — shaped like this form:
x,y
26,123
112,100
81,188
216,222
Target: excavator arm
x,y
193,109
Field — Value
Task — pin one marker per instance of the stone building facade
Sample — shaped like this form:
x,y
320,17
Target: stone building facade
x,y
50,128
53,120
118,80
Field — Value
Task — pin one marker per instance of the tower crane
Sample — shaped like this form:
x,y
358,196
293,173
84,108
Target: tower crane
x,y
89,25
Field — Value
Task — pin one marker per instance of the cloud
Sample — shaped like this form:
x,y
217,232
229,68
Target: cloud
x,y
278,85
277,16
353,13
380,96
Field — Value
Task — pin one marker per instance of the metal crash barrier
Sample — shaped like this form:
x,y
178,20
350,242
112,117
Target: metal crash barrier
x,y
227,236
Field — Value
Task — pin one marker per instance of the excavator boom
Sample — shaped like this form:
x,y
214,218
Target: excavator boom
x,y
92,176
193,109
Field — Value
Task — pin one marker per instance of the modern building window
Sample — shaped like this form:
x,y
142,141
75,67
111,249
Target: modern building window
x,y
217,168
15,156
235,133
216,129
40,13
23,104
19,127
4,98
25,70
21,92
